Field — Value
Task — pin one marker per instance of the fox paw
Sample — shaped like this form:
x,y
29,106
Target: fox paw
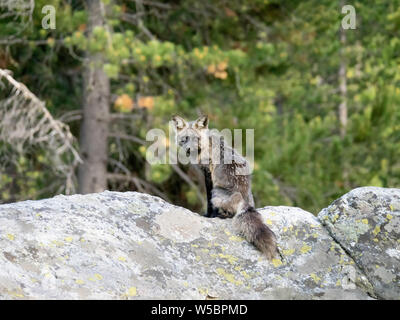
x,y
223,214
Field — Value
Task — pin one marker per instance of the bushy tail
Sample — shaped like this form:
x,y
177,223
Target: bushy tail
x,y
250,225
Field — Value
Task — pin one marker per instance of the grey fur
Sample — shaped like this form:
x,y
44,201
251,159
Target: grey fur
x,y
231,181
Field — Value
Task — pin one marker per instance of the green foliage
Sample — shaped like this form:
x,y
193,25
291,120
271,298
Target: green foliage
x,y
25,177
159,173
268,65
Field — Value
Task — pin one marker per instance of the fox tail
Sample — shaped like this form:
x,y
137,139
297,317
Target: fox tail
x,y
250,225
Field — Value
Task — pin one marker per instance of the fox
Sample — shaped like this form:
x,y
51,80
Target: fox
x,y
227,177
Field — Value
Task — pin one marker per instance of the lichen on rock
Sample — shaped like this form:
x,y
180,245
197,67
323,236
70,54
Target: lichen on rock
x,y
130,245
366,223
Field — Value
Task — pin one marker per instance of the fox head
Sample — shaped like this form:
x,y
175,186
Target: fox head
x,y
192,135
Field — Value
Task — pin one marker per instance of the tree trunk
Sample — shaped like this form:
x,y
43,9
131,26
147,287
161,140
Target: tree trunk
x,y
342,82
95,125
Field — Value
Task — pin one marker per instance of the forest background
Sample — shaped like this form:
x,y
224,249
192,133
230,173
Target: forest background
x,y
77,98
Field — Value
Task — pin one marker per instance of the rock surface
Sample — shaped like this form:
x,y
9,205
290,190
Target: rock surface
x,y
130,245
366,223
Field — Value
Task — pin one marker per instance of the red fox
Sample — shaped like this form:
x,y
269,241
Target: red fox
x,y
228,181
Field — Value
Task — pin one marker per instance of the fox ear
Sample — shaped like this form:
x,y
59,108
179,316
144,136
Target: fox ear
x,y
201,123
179,122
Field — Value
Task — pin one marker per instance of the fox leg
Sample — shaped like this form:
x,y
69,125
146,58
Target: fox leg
x,y
226,201
212,212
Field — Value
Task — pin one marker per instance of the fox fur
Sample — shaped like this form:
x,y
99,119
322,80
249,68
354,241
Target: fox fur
x,y
227,179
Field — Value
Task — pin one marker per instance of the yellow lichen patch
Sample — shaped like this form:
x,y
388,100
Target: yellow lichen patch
x,y
338,283
245,275
79,281
229,277
17,295
315,277
197,258
391,208
335,217
389,216
305,248
272,214
365,221
10,236
123,259
195,245
68,239
57,243
288,252
98,276
205,250
284,229
132,291
276,262
185,284
376,240
231,259
238,268
227,233
269,222
203,291
376,230
236,238
333,246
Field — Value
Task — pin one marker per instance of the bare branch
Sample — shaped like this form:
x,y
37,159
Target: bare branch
x,y
70,116
25,121
127,137
21,10
18,8
189,181
125,116
140,24
155,4
136,180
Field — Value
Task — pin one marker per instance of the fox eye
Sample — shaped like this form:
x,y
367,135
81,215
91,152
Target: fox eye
x,y
184,139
